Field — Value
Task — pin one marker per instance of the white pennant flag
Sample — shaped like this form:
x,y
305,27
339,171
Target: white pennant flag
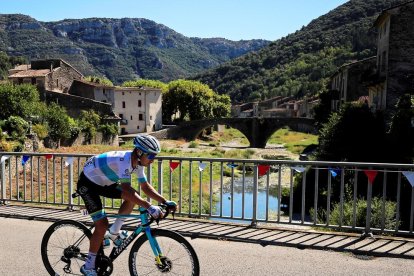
x,y
68,161
202,166
4,158
299,169
410,177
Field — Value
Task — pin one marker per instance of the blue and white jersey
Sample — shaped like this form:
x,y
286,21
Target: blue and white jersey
x,y
112,167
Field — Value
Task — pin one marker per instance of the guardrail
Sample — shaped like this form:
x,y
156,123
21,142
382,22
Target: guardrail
x,y
321,194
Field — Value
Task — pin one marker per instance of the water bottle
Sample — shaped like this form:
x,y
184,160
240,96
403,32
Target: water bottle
x,y
121,237
106,243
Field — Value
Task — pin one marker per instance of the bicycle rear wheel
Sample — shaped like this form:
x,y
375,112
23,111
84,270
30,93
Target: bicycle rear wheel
x,y
65,246
179,257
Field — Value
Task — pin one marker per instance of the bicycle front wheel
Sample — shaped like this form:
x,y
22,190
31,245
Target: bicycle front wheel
x,y
65,246
178,256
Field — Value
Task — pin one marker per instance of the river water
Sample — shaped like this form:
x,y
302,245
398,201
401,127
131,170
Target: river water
x,y
248,200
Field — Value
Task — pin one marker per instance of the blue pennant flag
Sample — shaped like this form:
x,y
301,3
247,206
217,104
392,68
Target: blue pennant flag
x,y
231,165
25,158
334,172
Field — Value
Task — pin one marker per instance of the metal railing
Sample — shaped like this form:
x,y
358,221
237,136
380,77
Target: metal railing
x,y
364,197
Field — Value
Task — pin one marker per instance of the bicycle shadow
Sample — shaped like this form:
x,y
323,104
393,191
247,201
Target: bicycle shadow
x,y
358,245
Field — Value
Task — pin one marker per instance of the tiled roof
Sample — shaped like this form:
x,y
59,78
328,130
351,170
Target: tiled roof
x,y
30,73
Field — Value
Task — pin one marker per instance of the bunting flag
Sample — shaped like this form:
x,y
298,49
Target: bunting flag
x,y
4,158
24,159
334,172
173,165
263,169
410,177
371,174
232,165
48,156
299,169
202,166
68,161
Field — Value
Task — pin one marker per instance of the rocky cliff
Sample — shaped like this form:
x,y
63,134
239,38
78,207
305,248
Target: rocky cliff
x,y
119,49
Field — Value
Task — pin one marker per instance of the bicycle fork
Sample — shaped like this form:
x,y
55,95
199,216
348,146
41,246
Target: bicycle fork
x,y
154,246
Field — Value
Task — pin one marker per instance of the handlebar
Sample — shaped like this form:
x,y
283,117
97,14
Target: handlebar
x,y
165,215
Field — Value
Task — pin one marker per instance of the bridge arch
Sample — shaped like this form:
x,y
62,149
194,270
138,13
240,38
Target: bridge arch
x,y
257,130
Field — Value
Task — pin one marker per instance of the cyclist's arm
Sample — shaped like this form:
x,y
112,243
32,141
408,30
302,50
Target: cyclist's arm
x,y
130,194
151,192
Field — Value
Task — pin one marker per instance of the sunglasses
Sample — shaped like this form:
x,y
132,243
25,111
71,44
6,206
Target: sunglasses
x,y
150,156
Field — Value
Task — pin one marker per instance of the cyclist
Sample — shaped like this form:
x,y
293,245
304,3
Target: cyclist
x,y
109,175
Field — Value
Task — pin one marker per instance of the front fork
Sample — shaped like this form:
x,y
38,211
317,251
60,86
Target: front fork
x,y
154,246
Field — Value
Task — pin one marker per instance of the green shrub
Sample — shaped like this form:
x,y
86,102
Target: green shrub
x,y
193,144
40,130
17,127
108,130
390,221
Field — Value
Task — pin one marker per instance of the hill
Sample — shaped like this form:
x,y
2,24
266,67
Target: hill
x,y
301,63
119,49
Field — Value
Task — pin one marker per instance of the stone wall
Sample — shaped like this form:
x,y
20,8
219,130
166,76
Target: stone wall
x,y
400,78
75,104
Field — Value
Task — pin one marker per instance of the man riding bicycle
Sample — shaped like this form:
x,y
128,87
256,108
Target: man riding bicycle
x,y
109,175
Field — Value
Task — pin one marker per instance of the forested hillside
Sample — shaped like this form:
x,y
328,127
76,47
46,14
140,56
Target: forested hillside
x,y
118,49
301,63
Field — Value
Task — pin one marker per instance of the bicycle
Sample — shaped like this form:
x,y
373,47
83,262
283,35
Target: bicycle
x,y
65,246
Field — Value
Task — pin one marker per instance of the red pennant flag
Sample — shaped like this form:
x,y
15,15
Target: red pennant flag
x,y
371,174
173,165
48,156
263,169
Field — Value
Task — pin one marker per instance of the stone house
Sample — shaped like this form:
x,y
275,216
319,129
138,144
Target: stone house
x,y
140,108
48,75
395,57
348,82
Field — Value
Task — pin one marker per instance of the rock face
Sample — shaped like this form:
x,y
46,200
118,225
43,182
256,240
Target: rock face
x,y
119,49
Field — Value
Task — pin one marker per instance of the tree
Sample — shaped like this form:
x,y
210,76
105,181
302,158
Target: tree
x,y
146,83
58,122
353,134
192,100
19,100
100,80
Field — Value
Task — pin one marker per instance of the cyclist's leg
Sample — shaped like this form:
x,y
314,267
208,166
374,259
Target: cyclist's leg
x,y
90,193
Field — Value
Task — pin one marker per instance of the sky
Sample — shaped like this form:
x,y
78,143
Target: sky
x,y
230,19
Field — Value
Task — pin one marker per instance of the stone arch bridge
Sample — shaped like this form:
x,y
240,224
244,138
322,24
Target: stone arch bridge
x,y
257,130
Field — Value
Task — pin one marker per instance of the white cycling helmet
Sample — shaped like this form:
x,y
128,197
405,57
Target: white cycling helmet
x,y
147,144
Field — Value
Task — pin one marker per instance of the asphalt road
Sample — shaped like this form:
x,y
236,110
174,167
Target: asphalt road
x,y
20,255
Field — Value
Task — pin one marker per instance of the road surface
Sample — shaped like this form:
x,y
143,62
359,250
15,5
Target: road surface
x,y
20,255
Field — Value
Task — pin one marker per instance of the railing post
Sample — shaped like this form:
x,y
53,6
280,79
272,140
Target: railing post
x,y
160,176
368,221
3,182
70,181
255,190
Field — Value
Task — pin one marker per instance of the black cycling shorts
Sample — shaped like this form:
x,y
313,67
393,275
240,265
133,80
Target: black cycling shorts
x,y
91,194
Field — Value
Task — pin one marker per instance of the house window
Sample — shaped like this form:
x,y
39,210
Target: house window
x,y
121,116
150,117
139,103
131,117
123,93
123,104
137,127
140,117
57,82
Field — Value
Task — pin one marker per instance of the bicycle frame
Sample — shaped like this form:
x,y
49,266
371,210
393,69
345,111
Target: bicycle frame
x,y
143,227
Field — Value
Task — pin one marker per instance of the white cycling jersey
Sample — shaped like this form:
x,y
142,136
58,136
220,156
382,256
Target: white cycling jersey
x,y
112,167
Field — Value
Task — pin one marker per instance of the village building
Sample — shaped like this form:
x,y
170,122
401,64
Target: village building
x,y
48,75
140,108
348,82
395,56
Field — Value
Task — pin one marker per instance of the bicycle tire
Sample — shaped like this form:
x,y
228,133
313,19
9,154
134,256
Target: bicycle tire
x,y
56,242
175,248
